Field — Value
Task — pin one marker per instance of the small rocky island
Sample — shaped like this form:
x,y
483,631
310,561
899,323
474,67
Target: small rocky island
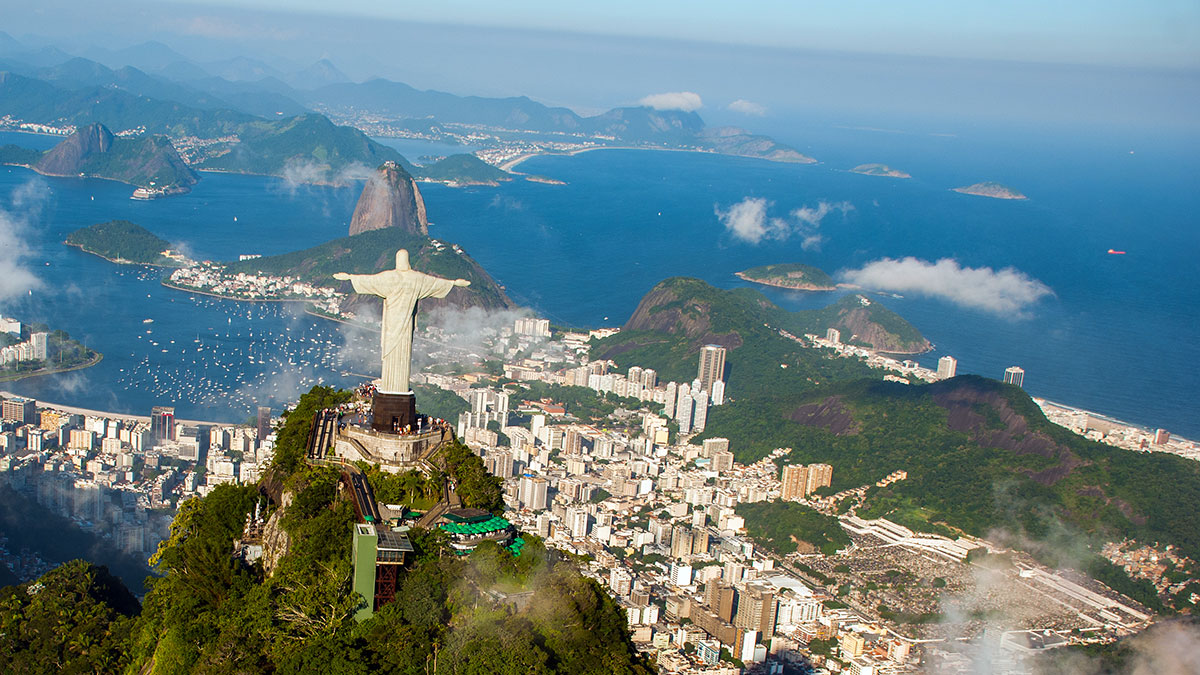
x,y
990,189
794,276
124,243
879,170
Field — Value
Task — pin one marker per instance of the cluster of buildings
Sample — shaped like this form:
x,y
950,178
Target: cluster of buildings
x,y
36,348
120,476
8,122
209,277
1116,433
658,514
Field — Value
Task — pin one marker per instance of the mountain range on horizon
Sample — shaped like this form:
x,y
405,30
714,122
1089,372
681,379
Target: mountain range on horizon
x,y
153,86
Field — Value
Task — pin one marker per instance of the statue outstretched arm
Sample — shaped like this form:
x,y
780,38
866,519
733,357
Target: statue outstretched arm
x,y
372,284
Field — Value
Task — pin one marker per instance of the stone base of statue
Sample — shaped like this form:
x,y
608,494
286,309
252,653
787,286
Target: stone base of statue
x,y
393,412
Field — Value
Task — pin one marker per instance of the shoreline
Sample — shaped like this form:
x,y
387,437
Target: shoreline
x,y
118,261
110,414
514,162
186,289
52,371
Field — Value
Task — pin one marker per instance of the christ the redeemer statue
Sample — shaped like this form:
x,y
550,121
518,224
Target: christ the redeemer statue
x,y
401,290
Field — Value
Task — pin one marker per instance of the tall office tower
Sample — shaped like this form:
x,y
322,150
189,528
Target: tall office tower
x,y
947,367
41,345
819,475
834,335
700,417
712,366
264,422
683,413
718,393
795,478
1014,375
162,423
670,399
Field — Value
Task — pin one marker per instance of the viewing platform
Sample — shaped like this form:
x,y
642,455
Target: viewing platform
x,y
391,452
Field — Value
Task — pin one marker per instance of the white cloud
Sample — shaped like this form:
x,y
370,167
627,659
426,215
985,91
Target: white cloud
x,y
1007,291
749,221
673,100
747,108
15,276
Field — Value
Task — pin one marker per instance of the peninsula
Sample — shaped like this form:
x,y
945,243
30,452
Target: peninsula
x,y
41,351
990,189
794,276
147,162
124,243
879,170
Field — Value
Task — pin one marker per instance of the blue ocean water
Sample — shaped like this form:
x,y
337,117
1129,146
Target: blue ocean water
x,y
1117,336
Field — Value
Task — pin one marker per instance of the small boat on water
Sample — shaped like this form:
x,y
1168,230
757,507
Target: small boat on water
x,y
147,320
1115,252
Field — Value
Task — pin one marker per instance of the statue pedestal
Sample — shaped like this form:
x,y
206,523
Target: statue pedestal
x,y
393,412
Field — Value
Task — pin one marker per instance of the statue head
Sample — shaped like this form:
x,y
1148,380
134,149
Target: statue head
x,y
402,260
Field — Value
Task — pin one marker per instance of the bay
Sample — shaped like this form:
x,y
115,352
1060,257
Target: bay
x,y
1117,336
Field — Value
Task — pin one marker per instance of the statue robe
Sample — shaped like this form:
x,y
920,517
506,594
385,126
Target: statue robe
x,y
401,290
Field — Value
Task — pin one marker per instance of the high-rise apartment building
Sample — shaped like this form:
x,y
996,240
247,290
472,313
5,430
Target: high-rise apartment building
x,y
712,366
23,410
947,367
718,393
700,416
834,335
819,475
795,478
681,541
531,492
756,609
1014,375
683,413
41,345
800,481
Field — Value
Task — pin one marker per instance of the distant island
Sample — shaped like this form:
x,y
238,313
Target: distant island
x,y
990,189
41,351
794,276
879,170
125,243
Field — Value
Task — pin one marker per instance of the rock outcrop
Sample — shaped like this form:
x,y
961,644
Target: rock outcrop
x,y
68,157
275,540
390,199
145,161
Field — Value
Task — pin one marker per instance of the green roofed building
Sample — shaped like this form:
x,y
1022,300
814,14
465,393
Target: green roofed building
x,y
469,528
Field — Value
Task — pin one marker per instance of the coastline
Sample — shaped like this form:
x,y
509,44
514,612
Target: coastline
x,y
117,261
775,284
186,289
514,162
17,377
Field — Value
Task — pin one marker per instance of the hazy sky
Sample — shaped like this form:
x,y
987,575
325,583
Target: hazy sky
x,y
1158,32
754,63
